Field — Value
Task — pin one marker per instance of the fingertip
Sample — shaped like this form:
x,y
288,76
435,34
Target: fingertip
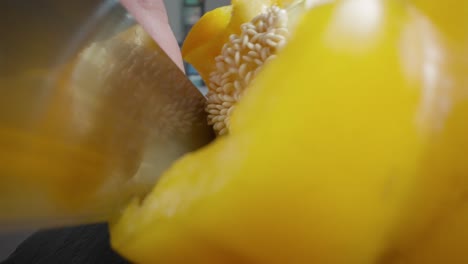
x,y
152,16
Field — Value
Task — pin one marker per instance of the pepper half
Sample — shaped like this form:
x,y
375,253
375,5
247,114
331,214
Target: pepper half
x,y
348,147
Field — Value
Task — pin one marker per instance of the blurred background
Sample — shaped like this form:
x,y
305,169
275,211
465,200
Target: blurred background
x,y
183,14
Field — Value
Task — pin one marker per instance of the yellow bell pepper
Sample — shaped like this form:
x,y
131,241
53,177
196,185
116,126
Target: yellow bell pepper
x,y
347,147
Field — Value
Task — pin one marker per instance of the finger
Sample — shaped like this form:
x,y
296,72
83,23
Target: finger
x,y
152,16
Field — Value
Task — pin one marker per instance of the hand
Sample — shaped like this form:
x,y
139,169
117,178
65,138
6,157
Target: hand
x,y
152,16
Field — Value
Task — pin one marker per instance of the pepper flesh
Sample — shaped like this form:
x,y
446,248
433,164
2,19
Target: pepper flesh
x,y
348,148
